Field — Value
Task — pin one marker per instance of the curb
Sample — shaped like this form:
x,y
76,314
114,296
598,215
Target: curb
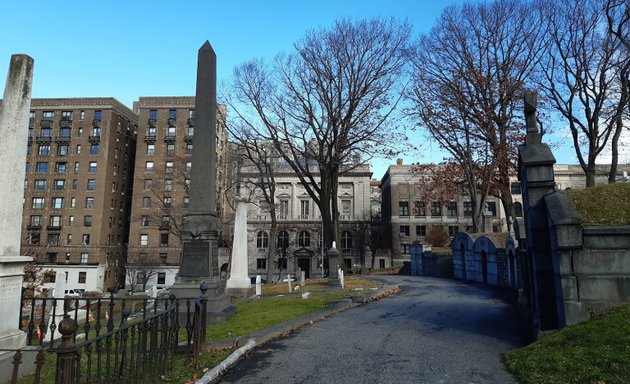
x,y
247,343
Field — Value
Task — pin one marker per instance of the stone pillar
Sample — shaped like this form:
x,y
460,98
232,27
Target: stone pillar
x,y
14,115
537,180
200,229
333,266
239,284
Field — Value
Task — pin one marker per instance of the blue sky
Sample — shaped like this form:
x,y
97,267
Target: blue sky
x,y
127,49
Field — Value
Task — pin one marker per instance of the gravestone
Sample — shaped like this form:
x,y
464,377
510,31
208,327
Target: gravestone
x,y
239,284
333,266
200,228
14,116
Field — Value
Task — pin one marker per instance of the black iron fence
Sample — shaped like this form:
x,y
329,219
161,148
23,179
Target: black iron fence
x,y
107,340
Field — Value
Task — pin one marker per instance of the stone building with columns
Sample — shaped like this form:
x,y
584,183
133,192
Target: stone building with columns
x,y
299,222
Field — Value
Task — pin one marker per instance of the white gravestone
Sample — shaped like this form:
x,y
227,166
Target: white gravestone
x,y
239,283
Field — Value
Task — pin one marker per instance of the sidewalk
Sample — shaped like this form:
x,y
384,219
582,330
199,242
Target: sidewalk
x,y
247,343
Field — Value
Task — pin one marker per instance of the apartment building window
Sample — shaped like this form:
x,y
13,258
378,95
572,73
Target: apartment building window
x,y
163,239
168,185
492,208
40,185
468,208
98,115
171,132
261,263
69,239
404,249
283,240
41,167
29,150
169,167
94,149
346,240
148,183
172,114
188,166
93,167
60,185
76,167
304,239
515,188
46,132
82,115
91,184
163,257
436,209
144,221
167,202
38,202
420,208
170,149
61,167
153,114
403,208
284,209
62,149
87,221
304,209
144,239
189,149
161,278
85,257
191,113
73,202
452,209
66,115
151,132
80,133
74,184
82,277
150,149
190,131
421,230
53,239
48,115
64,132
89,202
404,230
146,202
70,220
55,221
86,239
57,202
186,201
262,240
148,166
78,149
36,221
43,150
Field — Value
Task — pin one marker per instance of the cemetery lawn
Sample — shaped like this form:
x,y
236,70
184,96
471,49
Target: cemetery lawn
x,y
596,351
277,305
607,204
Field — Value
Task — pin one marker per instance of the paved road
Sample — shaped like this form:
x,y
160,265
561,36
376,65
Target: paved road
x,y
434,331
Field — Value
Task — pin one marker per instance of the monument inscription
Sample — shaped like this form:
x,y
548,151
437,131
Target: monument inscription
x,y
197,261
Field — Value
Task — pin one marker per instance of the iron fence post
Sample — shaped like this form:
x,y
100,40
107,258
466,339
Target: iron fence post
x,y
67,354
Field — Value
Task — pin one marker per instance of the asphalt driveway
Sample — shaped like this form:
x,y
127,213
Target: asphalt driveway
x,y
434,331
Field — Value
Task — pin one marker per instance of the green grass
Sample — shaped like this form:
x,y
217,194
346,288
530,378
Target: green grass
x,y
258,314
593,352
607,204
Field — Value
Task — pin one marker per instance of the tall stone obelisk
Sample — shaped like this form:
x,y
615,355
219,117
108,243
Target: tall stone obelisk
x,y
14,115
239,284
200,229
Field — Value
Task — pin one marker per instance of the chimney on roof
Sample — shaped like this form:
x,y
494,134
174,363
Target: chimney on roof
x,y
399,161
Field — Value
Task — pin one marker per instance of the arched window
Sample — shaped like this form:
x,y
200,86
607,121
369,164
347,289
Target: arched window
x,y
283,239
262,240
304,239
518,209
346,240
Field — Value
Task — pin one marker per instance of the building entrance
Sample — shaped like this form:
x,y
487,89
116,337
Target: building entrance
x,y
305,265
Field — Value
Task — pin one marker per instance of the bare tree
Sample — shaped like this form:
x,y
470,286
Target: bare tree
x,y
469,73
141,271
329,102
581,75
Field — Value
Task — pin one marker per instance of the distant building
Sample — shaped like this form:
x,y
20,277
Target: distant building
x,y
79,169
299,222
160,186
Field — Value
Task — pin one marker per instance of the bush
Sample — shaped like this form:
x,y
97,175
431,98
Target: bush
x,y
437,236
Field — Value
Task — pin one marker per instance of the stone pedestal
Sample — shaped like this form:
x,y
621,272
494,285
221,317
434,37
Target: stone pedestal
x,y
333,266
11,273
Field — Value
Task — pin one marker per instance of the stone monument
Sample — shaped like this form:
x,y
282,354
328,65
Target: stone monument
x,y
200,228
239,284
14,115
333,266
